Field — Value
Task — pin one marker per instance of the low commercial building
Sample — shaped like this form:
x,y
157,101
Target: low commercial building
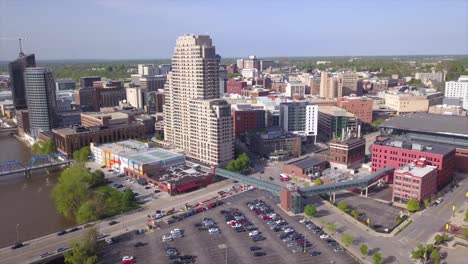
x,y
347,154
133,156
410,103
174,180
397,152
295,89
334,121
447,110
105,118
306,168
414,181
69,139
275,144
234,86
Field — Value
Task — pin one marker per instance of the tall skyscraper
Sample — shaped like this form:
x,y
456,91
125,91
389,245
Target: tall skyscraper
x,y
331,86
40,94
16,69
195,119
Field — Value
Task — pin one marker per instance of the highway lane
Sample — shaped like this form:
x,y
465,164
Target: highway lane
x,y
130,221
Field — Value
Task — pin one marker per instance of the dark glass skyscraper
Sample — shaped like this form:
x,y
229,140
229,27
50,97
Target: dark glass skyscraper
x,y
16,69
40,93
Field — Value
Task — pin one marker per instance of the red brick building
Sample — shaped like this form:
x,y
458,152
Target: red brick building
x,y
245,120
393,152
360,106
235,86
414,181
306,168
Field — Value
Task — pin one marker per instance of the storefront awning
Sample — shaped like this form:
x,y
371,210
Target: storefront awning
x,y
187,187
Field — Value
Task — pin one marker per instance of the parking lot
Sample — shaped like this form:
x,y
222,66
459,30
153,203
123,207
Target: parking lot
x,y
381,215
230,244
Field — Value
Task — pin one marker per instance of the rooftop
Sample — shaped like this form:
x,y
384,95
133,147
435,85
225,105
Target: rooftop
x,y
416,171
124,146
334,111
415,145
68,131
307,162
152,155
430,123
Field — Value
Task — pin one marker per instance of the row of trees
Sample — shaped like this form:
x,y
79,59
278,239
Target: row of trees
x,y
425,253
240,164
82,154
80,195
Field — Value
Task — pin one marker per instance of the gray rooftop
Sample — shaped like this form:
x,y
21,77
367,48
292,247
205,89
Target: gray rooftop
x,y
417,145
307,162
432,123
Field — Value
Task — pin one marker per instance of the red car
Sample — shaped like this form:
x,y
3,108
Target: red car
x,y
266,218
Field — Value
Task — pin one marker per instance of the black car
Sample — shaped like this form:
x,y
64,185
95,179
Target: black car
x,y
187,257
73,229
17,245
255,248
259,254
315,253
61,233
138,244
258,238
113,222
271,178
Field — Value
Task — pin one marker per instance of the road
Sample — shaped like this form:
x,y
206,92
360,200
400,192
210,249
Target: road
x,y
395,249
132,220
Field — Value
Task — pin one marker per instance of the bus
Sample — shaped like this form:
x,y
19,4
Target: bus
x,y
283,177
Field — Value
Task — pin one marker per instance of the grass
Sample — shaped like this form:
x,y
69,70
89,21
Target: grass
x,y
405,226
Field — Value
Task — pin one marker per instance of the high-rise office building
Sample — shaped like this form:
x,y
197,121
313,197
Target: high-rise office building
x,y
331,86
86,82
458,90
195,119
65,85
16,69
40,94
349,83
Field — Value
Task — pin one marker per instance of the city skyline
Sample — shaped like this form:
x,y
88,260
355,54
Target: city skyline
x,y
298,29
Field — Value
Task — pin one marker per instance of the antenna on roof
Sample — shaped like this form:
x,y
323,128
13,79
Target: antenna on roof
x,y
21,46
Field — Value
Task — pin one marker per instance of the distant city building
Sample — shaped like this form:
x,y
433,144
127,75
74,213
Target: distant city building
x,y
153,83
335,122
349,83
348,153
195,119
234,86
314,83
360,106
295,89
136,97
108,97
65,85
331,86
222,79
251,63
86,99
299,118
155,102
447,110
266,65
458,90
87,82
164,69
395,152
410,103
40,94
416,180
147,70
22,122
16,69
430,76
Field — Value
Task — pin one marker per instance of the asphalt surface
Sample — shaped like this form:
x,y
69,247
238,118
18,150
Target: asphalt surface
x,y
214,248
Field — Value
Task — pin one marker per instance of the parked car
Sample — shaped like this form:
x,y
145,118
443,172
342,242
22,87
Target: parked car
x,y
113,222
138,244
109,240
73,229
315,253
255,248
17,245
323,236
259,254
125,258
61,233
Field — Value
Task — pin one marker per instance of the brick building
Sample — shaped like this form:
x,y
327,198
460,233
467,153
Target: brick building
x,y
234,86
245,120
346,154
359,106
394,152
306,168
22,118
414,181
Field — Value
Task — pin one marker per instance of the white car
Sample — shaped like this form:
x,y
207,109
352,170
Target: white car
x,y
303,220
253,233
213,231
109,240
167,238
324,236
175,231
125,258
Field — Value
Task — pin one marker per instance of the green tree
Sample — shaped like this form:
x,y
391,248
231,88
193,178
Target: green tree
x,y
435,255
364,249
343,206
97,178
44,147
426,203
159,137
71,190
331,227
377,258
82,154
240,164
355,213
466,216
318,181
422,252
310,210
84,250
86,213
347,239
412,205
398,220
378,122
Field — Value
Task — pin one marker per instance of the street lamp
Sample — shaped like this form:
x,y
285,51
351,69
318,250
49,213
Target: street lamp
x,y
17,233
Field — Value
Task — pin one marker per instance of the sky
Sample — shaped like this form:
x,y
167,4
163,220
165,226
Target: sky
x,y
147,29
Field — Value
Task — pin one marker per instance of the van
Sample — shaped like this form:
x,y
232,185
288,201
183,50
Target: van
x,y
283,177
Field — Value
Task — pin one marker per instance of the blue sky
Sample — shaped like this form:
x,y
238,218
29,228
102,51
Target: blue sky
x,y
146,29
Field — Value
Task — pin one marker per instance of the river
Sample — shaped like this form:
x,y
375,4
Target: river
x,y
26,201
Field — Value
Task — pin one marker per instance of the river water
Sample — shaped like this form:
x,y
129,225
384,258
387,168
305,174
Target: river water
x,y
26,201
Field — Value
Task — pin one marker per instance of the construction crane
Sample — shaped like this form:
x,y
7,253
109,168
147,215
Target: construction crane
x,y
20,39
